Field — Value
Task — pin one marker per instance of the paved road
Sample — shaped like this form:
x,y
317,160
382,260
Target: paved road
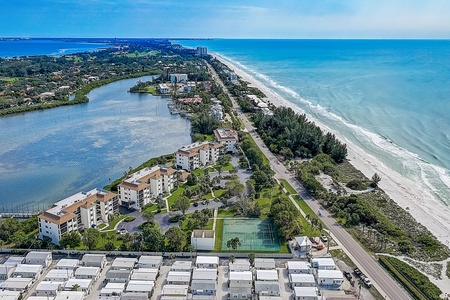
x,y
380,279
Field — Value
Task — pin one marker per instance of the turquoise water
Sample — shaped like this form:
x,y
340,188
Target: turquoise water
x,y
48,155
390,97
45,47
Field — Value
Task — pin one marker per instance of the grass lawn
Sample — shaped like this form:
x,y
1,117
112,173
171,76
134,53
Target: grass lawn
x,y
265,205
152,207
177,193
303,205
209,226
208,196
151,90
114,222
219,235
224,213
218,193
288,187
10,79
198,172
284,246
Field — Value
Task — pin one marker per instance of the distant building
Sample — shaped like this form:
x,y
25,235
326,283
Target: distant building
x,y
196,155
232,77
227,138
239,265
94,260
77,212
202,51
164,88
323,263
178,78
207,262
145,185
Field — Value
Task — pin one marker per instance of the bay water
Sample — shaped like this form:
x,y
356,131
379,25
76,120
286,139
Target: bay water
x,y
48,155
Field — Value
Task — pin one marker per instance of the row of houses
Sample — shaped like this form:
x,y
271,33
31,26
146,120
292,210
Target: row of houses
x,y
89,209
70,277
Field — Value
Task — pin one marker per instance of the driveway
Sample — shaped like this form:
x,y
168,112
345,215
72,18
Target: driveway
x,y
163,219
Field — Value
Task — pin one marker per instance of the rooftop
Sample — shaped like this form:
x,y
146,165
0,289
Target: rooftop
x,y
204,274
70,295
301,278
245,275
207,260
140,286
22,268
267,275
330,274
67,263
83,283
298,265
306,291
174,289
48,286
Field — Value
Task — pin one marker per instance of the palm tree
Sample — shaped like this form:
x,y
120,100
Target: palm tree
x,y
232,259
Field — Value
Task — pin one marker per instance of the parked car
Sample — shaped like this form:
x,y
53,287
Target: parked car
x,y
367,282
347,275
122,231
195,204
324,238
357,272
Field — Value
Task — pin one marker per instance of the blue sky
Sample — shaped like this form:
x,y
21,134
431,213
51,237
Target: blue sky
x,y
227,18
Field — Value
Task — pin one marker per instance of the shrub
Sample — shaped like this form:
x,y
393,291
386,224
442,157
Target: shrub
x,y
129,219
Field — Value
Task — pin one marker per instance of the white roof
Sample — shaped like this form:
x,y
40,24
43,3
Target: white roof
x,y
178,276
133,296
70,295
48,286
240,265
335,274
150,259
323,261
144,274
261,286
298,265
22,268
173,298
58,208
140,286
16,283
67,263
38,255
4,269
40,298
204,274
207,260
87,271
270,298
113,287
9,295
302,241
93,258
123,262
83,283
302,278
14,260
118,274
58,273
180,264
245,275
309,291
267,275
203,285
265,262
175,289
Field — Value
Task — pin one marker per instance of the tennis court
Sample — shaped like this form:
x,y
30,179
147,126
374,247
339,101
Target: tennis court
x,y
254,234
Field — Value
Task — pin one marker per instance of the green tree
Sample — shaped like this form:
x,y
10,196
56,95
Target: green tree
x,y
109,246
75,287
70,240
153,239
90,238
375,180
251,258
148,216
231,259
160,202
176,239
182,204
191,179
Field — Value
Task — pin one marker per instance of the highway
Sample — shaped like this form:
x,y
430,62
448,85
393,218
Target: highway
x,y
380,279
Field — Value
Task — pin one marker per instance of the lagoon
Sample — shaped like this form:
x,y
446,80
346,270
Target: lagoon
x,y
48,155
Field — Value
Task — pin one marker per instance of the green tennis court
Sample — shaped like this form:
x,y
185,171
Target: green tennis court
x,y
254,234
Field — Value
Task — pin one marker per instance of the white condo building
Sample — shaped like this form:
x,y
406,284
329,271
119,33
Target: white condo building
x,y
196,155
202,51
227,137
77,212
145,185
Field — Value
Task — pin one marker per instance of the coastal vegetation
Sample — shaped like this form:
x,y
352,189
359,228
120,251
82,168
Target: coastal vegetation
x,y
41,82
417,284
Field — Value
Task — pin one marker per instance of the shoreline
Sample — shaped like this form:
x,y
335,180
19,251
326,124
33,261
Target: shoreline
x,y
431,213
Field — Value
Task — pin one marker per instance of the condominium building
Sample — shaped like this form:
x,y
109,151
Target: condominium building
x,y
196,155
202,51
77,212
226,137
178,78
145,185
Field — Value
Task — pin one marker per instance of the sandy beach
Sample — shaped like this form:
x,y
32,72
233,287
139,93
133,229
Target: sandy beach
x,y
427,210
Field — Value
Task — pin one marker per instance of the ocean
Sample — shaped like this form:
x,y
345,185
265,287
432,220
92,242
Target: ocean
x,y
389,97
11,48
